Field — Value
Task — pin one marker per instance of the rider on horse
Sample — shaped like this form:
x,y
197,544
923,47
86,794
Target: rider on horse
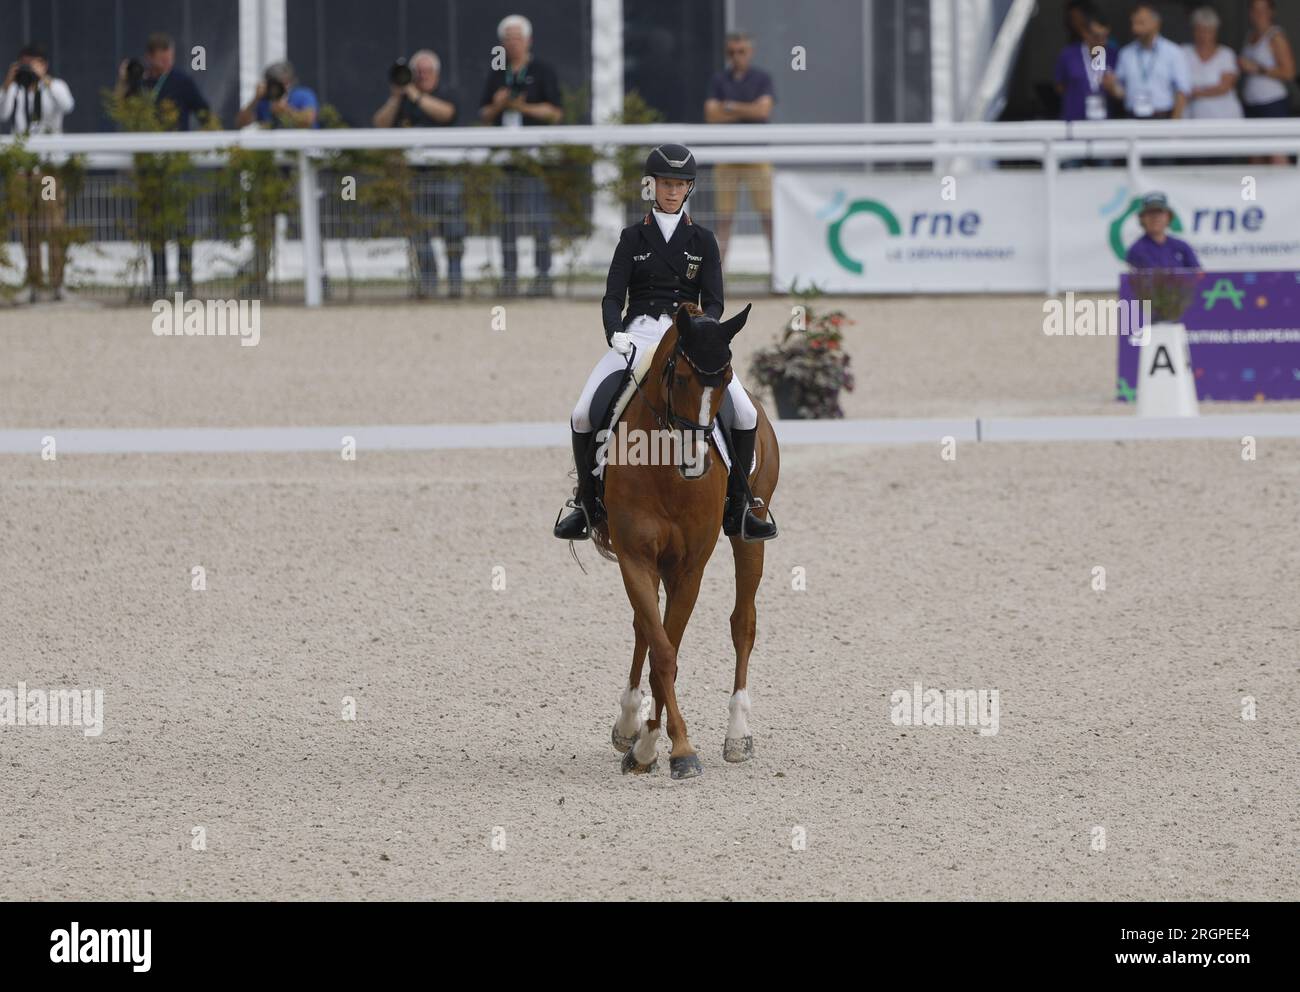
x,y
662,262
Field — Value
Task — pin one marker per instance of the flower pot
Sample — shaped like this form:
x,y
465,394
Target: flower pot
x,y
786,394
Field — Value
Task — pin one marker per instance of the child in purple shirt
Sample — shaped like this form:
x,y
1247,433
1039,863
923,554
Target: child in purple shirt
x,y
1156,249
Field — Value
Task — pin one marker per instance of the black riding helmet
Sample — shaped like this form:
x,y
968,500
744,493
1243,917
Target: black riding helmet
x,y
672,162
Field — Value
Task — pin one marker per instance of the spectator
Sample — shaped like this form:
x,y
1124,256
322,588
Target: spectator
x,y
1156,249
1268,65
1079,72
1213,69
35,102
178,99
165,84
740,94
523,93
1152,77
1099,37
423,102
281,101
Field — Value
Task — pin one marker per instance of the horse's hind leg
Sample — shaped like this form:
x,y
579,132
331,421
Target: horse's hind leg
x,y
628,725
739,743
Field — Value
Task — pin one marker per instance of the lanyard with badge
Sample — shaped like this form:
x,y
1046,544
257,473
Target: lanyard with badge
x,y
1143,106
514,118
1094,104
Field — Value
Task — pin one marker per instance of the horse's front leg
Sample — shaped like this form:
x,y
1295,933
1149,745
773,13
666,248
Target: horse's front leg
x,y
738,745
683,589
628,725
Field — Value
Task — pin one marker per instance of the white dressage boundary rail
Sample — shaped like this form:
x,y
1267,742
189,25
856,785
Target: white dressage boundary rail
x,y
944,145
794,433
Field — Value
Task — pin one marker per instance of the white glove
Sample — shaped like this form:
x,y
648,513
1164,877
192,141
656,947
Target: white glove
x,y
621,342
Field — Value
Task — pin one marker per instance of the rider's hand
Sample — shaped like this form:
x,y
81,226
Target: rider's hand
x,y
621,342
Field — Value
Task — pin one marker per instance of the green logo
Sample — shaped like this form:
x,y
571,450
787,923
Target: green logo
x,y
1116,228
1223,289
859,207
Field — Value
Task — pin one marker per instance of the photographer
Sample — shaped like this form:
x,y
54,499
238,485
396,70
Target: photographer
x,y
158,78
177,99
34,102
281,101
525,93
416,99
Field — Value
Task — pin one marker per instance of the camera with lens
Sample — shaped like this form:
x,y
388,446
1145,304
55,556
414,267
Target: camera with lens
x,y
134,76
274,89
25,76
399,73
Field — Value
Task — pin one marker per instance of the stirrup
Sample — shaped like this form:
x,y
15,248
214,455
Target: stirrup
x,y
573,503
752,503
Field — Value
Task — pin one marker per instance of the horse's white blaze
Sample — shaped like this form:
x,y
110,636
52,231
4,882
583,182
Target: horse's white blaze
x,y
702,443
644,748
629,719
738,710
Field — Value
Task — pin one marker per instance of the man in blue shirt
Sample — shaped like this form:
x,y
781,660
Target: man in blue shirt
x,y
741,93
1156,249
1152,77
281,101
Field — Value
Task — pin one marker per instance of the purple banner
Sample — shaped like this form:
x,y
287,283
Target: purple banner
x,y
1244,333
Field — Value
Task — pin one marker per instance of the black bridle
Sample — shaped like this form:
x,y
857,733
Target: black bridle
x,y
671,417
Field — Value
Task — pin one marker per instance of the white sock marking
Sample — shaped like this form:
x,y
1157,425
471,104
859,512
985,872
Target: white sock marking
x,y
738,710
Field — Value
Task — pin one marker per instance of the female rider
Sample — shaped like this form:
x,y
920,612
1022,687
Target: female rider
x,y
660,263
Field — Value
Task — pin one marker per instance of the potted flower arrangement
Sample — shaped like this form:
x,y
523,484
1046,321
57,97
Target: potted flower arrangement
x,y
807,367
1170,292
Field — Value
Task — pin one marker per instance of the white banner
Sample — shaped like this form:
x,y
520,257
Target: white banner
x,y
874,233
987,231
1238,218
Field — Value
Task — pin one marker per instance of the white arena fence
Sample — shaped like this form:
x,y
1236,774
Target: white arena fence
x,y
323,247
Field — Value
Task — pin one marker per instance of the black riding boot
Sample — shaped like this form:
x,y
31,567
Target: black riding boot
x,y
575,527
738,510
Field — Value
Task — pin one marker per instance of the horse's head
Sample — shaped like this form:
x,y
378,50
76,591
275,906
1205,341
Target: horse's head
x,y
699,369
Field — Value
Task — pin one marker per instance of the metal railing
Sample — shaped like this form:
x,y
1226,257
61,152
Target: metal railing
x,y
928,147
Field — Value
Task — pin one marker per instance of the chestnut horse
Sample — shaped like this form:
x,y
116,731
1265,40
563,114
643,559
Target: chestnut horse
x,y
663,524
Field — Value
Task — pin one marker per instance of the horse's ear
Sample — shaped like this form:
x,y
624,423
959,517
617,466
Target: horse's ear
x,y
733,326
683,321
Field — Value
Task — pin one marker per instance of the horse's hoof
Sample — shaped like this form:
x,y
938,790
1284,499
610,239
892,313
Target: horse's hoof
x,y
687,766
621,743
738,749
631,765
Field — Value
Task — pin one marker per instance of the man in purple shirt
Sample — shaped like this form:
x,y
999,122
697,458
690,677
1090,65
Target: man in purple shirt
x,y
1156,249
740,94
1082,64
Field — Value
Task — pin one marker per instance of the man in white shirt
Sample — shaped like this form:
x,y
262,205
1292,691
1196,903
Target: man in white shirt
x,y
1152,76
34,102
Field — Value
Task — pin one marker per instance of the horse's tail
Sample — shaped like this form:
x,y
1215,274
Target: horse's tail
x,y
600,538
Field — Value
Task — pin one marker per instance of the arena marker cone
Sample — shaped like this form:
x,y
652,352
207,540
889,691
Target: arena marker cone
x,y
1166,380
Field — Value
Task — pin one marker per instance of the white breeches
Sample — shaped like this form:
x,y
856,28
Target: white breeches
x,y
646,333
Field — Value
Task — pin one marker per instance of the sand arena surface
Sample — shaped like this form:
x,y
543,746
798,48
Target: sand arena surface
x,y
482,708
